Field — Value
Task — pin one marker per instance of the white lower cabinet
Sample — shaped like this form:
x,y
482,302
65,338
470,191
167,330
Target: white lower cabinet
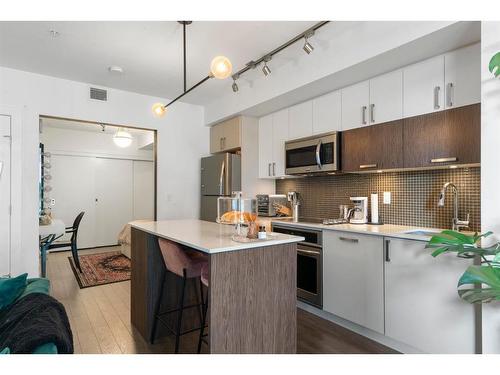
x,y
353,278
422,307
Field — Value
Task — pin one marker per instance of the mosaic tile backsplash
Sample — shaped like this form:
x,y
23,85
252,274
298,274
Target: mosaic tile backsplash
x,y
414,195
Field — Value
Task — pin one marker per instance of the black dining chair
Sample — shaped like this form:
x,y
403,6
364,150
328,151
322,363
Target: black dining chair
x,y
72,242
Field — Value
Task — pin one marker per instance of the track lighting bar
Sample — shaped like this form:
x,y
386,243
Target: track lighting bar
x,y
306,34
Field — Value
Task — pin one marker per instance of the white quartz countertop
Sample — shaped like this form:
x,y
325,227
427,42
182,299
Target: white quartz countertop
x,y
385,230
207,236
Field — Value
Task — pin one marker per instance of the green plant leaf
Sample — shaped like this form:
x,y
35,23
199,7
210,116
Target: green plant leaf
x,y
481,275
479,295
494,65
460,236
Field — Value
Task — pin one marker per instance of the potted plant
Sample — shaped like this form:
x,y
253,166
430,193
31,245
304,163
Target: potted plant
x,y
479,283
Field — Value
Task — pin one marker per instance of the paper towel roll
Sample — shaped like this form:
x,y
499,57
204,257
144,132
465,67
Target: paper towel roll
x,y
374,208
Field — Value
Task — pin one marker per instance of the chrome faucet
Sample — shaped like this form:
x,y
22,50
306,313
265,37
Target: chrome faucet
x,y
456,222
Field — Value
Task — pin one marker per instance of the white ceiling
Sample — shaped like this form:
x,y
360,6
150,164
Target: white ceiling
x,y
149,52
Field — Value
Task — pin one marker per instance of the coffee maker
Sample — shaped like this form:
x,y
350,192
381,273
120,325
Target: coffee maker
x,y
360,210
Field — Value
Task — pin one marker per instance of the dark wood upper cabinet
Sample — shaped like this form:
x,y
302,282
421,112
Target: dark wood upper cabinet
x,y
373,147
443,138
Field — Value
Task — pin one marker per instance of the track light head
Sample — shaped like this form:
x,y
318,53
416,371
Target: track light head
x,y
235,85
308,48
265,69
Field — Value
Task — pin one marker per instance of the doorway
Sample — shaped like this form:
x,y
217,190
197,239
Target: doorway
x,y
106,171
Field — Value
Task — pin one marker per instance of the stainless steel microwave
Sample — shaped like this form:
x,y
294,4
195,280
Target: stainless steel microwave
x,y
319,153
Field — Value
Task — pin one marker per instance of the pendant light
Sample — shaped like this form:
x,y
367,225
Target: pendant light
x,y
122,138
220,68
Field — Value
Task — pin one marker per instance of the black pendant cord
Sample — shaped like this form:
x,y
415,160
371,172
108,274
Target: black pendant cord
x,y
184,48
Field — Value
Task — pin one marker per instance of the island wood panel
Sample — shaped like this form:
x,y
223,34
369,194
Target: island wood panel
x,y
148,270
373,147
454,133
253,297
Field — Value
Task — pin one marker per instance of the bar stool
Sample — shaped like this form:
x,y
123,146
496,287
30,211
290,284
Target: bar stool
x,y
204,281
184,263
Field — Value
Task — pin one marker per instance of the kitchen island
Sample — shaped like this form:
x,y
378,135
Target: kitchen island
x,y
252,293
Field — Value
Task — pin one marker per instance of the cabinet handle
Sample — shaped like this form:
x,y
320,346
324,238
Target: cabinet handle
x,y
363,115
269,169
347,239
387,255
449,94
444,160
437,89
274,169
366,166
372,112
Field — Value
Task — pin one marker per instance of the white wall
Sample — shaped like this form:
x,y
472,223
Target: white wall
x,y
490,177
182,140
86,143
338,45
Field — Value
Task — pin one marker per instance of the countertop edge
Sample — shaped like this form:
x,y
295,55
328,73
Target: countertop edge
x,y
237,247
404,236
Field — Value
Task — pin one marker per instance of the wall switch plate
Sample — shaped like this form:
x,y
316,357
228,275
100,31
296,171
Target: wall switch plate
x,y
53,202
387,197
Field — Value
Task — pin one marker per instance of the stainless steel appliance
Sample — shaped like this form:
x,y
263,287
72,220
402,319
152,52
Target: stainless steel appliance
x,y
319,153
293,198
360,210
220,176
309,263
265,203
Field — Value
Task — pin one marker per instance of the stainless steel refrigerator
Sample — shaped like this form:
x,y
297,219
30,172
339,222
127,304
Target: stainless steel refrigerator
x,y
220,176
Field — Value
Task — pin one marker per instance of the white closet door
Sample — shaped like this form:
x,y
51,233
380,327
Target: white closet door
x,y
4,195
114,199
143,190
73,192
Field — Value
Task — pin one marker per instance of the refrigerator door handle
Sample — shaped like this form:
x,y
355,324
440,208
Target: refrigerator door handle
x,y
221,178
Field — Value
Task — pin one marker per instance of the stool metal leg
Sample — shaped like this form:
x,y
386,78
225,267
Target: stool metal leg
x,y
181,308
157,309
204,320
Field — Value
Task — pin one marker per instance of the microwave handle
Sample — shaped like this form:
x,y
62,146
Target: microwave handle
x,y
318,158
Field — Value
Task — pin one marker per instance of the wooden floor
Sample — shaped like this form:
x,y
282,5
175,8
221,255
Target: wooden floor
x,y
100,320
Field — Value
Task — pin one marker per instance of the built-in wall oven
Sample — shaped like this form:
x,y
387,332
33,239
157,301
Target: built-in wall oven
x,y
316,154
309,263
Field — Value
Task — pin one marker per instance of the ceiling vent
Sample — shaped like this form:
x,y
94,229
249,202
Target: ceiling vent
x,y
98,94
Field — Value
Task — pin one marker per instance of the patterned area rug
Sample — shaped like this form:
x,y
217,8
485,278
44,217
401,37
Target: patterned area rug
x,y
100,269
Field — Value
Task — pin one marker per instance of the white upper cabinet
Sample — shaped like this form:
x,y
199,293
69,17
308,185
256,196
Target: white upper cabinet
x,y
327,113
280,135
463,76
273,132
423,87
300,120
355,102
386,98
265,146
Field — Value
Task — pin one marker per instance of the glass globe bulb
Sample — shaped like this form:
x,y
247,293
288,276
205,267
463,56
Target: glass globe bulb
x,y
122,138
159,109
221,67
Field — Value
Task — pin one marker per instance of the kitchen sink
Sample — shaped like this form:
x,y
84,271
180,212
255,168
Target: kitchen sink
x,y
419,232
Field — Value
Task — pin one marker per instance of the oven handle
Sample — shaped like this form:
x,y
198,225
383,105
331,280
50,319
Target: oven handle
x,y
311,252
318,158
